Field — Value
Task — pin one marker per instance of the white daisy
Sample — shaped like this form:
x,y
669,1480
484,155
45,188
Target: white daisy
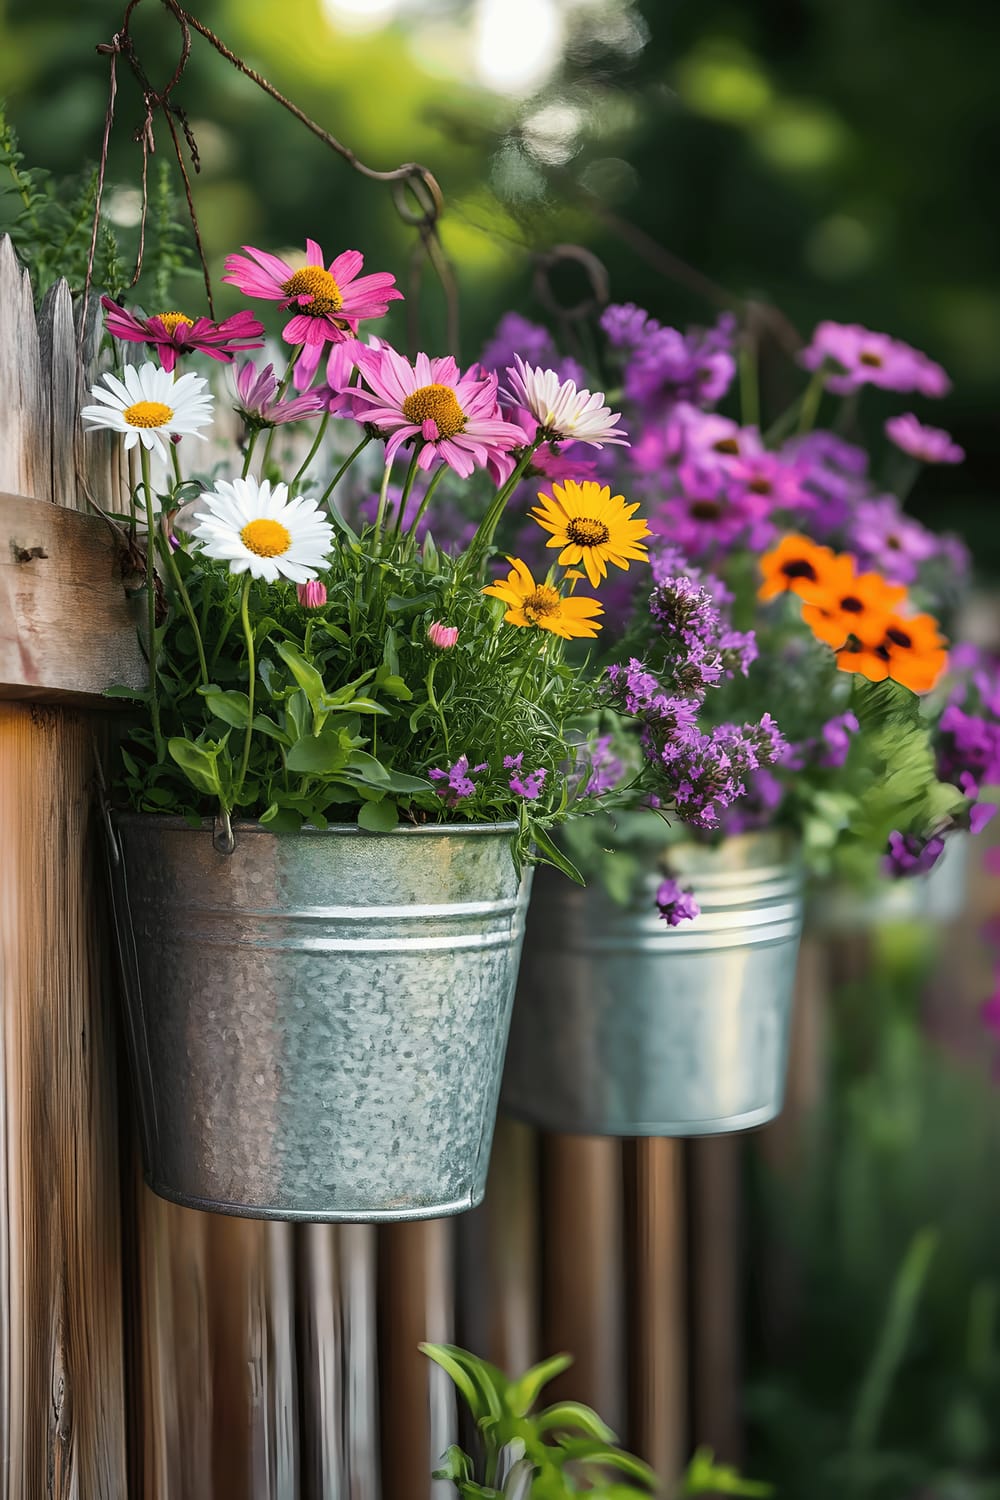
x,y
148,405
255,528
564,413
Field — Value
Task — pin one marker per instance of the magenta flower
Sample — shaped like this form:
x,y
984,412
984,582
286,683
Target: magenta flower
x,y
932,445
459,780
312,595
260,405
451,415
776,481
868,358
530,784
441,635
328,302
709,517
171,334
910,854
676,905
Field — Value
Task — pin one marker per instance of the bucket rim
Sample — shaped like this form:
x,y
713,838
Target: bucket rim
x,y
251,826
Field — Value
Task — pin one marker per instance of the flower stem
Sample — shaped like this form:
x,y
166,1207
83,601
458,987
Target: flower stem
x,y
282,388
251,682
436,478
312,451
176,456
383,496
411,475
484,535
344,468
185,598
809,409
248,456
749,385
154,689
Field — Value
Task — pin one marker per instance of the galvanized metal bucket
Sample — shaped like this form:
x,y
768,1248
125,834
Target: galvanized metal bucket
x,y
318,1020
624,1026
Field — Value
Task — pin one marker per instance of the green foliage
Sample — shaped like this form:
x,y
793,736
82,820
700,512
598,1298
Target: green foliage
x,y
563,1450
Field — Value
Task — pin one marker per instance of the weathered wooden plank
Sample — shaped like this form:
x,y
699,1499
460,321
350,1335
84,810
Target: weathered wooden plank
x,y
25,453
583,1300
61,376
657,1312
417,1399
499,1244
67,629
63,1430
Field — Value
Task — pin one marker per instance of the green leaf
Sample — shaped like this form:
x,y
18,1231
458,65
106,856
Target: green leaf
x,y
525,1391
574,1417
555,856
390,682
281,819
705,1477
479,1382
373,773
378,817
396,603
305,674
136,695
323,754
267,726
199,762
231,707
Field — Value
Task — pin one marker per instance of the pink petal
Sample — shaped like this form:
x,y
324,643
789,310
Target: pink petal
x,y
346,267
314,254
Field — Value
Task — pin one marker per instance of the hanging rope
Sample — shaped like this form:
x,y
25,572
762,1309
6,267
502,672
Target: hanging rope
x,y
415,190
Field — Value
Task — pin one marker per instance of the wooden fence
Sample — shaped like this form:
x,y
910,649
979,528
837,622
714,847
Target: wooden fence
x,y
151,1352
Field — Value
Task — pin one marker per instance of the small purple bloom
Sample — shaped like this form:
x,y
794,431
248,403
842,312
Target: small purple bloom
x,y
459,779
909,854
606,771
836,738
932,445
676,905
884,538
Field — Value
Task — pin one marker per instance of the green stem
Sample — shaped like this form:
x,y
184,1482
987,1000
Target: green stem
x,y
154,690
749,386
344,468
248,456
436,478
312,451
251,683
484,535
282,388
185,597
383,496
176,456
809,409
411,475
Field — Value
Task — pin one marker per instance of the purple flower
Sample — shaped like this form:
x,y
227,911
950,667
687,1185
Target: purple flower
x,y
868,358
893,543
932,445
910,854
835,737
777,482
259,404
676,905
834,477
708,517
459,779
968,751
605,771
665,366
534,344
624,324
528,786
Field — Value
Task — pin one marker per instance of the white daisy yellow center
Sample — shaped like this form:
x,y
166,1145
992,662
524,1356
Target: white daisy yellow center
x,y
173,320
266,538
148,414
315,282
543,602
586,532
438,403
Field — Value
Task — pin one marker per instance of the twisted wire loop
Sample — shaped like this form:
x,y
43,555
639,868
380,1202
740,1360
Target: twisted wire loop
x,y
416,192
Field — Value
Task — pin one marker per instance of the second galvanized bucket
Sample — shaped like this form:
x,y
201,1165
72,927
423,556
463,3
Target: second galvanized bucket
x,y
624,1026
318,1020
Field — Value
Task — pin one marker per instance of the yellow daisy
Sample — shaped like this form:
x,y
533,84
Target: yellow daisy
x,y
541,605
592,526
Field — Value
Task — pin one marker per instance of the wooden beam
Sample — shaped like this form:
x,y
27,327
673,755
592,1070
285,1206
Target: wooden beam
x,y
68,630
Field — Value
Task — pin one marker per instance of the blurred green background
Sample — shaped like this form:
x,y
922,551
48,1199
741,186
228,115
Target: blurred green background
x,y
833,158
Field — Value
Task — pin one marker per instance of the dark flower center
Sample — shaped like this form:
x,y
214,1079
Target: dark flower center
x,y
899,638
726,445
869,357
705,510
852,605
584,531
760,486
798,567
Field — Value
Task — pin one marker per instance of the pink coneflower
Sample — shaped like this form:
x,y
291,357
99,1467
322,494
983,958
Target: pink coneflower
x,y
174,333
451,415
441,635
932,445
259,404
709,517
868,358
329,302
312,595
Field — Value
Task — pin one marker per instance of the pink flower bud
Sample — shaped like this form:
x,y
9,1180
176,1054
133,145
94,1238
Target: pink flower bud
x,y
312,595
443,636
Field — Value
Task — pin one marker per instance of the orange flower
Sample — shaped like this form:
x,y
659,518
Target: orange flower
x,y
795,564
858,604
911,652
